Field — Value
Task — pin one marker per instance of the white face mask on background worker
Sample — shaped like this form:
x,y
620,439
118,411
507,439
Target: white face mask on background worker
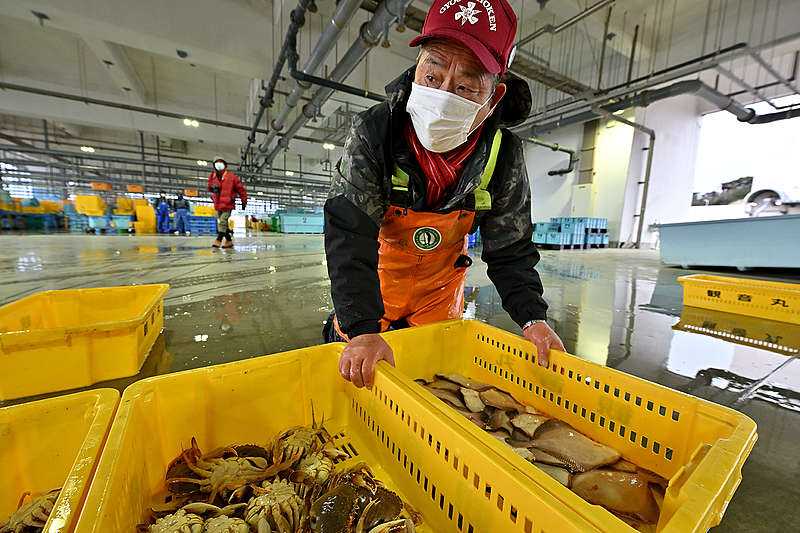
x,y
442,120
219,165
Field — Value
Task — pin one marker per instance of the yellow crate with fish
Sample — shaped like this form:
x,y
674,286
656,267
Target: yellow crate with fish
x,y
60,340
772,300
47,458
220,446
589,447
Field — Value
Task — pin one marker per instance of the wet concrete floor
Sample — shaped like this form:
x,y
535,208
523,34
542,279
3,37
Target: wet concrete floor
x,y
620,308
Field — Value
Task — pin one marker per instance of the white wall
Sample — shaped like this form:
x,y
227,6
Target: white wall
x,y
676,122
611,160
551,196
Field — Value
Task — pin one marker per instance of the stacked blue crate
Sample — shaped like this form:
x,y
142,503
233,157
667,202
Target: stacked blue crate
x,y
77,223
199,224
558,238
99,222
301,223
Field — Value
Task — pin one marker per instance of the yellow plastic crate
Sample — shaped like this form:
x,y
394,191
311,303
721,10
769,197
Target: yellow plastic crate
x,y
59,340
204,211
698,445
54,443
125,204
413,448
51,207
772,300
144,227
90,205
33,210
146,214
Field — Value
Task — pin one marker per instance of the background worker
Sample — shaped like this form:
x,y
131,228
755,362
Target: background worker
x,y
224,186
162,213
419,173
182,207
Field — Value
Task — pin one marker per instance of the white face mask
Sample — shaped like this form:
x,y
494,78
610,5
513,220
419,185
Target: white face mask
x,y
219,166
442,120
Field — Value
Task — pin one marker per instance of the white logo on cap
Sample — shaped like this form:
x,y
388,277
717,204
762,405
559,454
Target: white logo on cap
x,y
468,13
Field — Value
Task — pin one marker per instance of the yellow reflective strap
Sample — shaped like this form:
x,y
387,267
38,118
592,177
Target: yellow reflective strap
x,y
399,179
483,200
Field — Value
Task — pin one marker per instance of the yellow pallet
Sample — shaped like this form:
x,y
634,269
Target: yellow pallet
x,y
778,337
698,445
54,443
772,300
59,340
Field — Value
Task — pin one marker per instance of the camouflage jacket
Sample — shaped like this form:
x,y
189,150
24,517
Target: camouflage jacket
x,y
361,193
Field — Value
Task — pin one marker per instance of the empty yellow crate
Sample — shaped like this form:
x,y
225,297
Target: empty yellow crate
x,y
698,445
53,443
146,214
772,300
204,211
90,205
416,450
59,340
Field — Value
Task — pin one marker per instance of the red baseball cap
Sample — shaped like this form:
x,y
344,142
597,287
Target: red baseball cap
x,y
486,27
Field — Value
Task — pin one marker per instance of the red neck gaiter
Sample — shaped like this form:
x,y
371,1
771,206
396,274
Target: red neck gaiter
x,y
441,170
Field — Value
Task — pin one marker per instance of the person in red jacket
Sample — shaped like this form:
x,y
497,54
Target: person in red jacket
x,y
224,186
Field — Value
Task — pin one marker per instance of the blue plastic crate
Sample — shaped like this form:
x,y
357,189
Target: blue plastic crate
x,y
99,222
559,238
301,223
573,227
540,237
605,238
122,221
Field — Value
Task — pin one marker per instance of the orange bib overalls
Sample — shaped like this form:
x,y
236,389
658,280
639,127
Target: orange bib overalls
x,y
421,275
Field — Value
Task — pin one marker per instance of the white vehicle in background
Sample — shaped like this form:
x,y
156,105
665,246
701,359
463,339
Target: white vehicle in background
x,y
770,192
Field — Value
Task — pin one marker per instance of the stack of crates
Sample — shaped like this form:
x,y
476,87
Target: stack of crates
x,y
124,206
122,222
301,223
145,219
571,231
203,211
99,222
77,223
202,224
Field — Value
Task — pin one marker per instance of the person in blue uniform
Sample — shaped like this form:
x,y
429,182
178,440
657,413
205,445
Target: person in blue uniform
x,y
162,213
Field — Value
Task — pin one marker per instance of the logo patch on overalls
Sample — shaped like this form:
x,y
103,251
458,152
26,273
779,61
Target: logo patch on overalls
x,y
427,238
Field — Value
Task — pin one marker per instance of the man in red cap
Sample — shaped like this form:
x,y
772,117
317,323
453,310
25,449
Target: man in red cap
x,y
420,172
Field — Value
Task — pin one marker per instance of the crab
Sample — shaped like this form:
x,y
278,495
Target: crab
x,y
316,467
356,502
180,521
277,507
220,474
35,513
226,524
298,441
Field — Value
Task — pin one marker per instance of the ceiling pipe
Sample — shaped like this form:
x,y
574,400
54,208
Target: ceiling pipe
x,y
297,19
325,45
648,168
336,86
549,28
645,98
573,155
674,72
370,35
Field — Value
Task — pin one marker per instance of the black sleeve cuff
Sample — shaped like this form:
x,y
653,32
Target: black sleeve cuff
x,y
363,327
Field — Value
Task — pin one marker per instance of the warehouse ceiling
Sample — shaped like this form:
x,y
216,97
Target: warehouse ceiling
x,y
207,59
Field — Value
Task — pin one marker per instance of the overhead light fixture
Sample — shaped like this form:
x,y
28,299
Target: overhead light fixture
x,y
289,173
329,146
202,163
87,149
71,183
190,122
195,123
